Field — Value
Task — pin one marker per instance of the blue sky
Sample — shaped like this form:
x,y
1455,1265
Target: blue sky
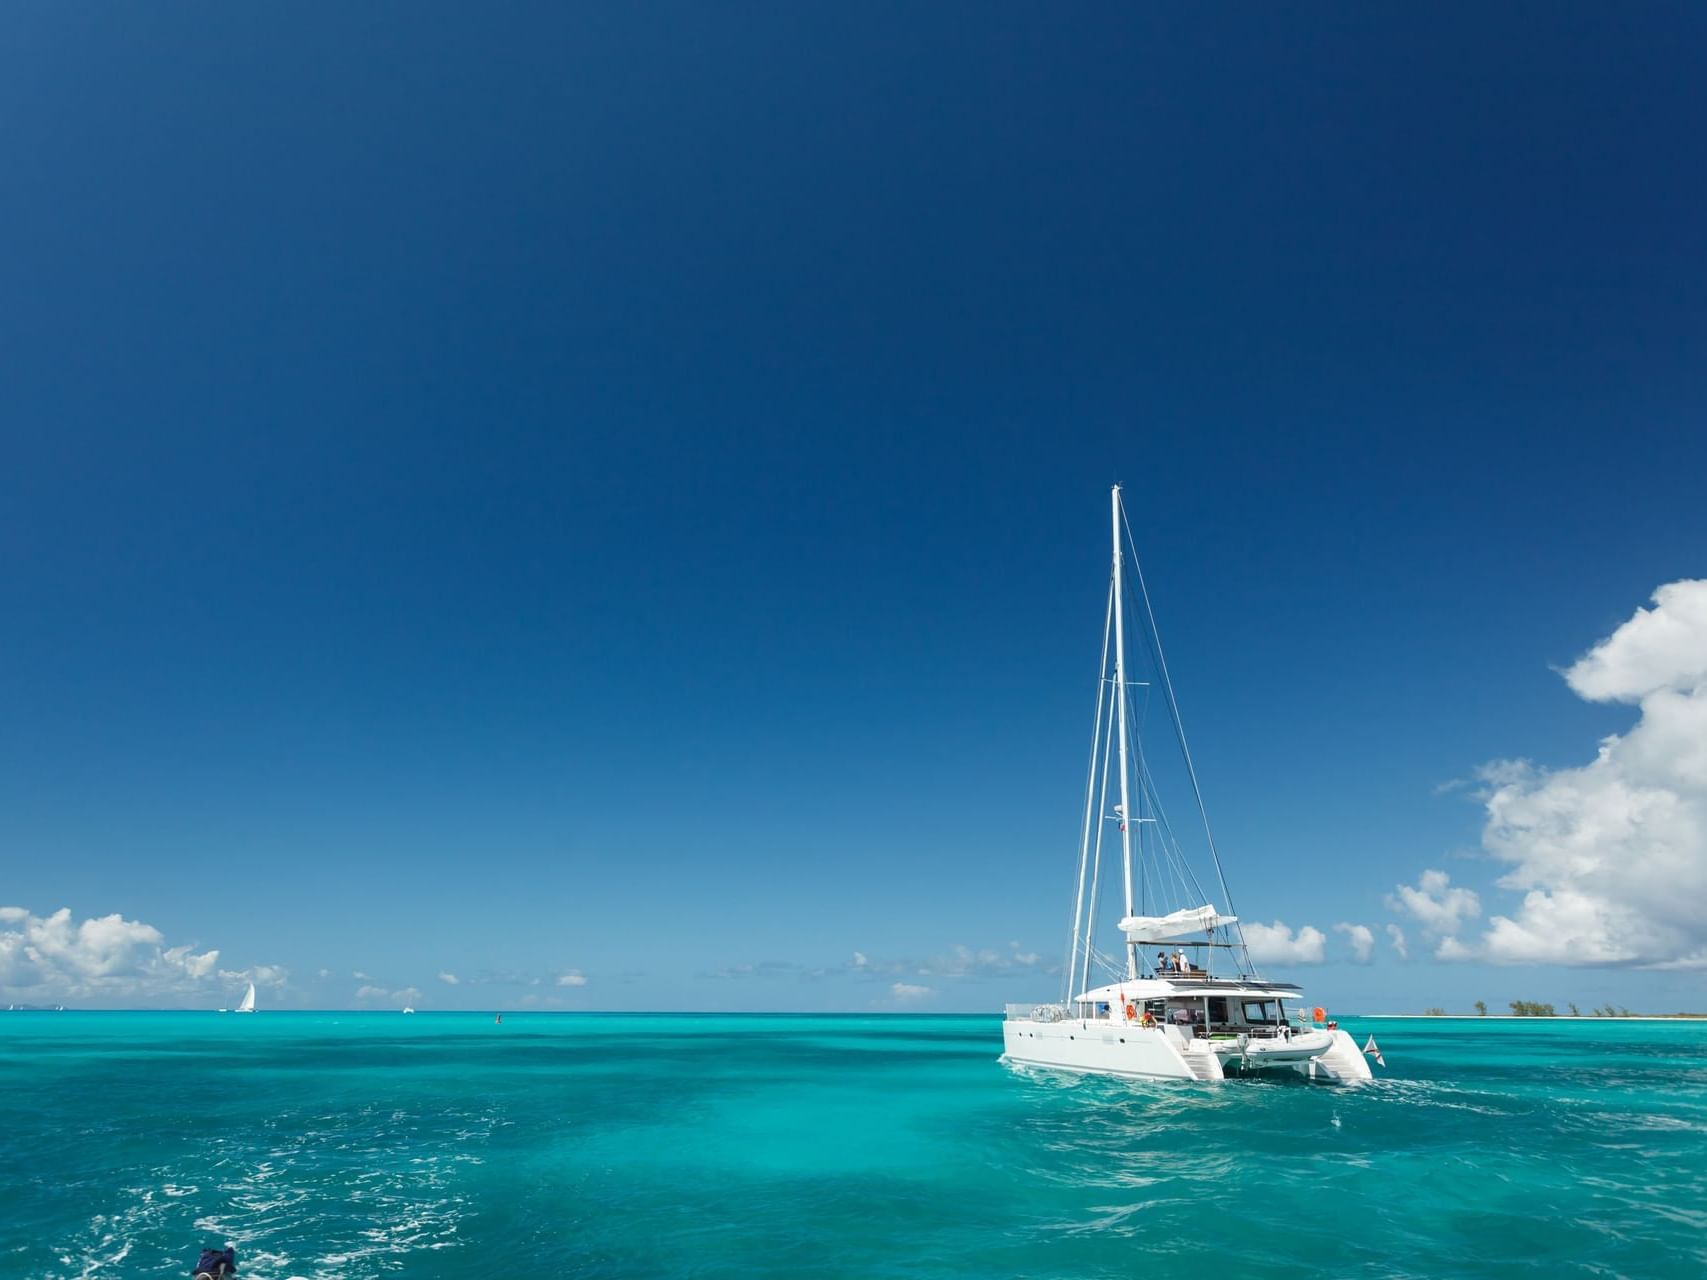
x,y
610,504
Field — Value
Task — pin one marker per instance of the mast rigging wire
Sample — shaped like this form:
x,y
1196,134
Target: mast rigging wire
x,y
1154,634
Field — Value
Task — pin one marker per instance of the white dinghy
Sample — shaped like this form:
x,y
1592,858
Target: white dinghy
x,y
1176,1016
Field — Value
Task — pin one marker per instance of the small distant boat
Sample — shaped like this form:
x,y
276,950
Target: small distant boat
x,y
248,1005
407,1009
1177,1019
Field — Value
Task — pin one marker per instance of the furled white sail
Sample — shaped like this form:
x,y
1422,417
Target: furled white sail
x,y
1177,925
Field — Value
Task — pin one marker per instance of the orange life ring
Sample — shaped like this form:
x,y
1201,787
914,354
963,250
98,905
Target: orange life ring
x,y
1321,1014
1131,1011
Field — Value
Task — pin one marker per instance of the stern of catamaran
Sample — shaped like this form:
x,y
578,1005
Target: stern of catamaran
x,y
1184,1027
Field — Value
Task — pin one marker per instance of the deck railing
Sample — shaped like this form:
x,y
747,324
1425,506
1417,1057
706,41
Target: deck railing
x,y
1036,1013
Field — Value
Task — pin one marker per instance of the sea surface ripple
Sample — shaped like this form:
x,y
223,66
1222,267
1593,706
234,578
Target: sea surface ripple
x,y
337,1146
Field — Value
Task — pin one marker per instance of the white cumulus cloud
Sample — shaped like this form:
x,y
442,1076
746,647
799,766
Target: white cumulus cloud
x,y
1396,936
906,992
449,979
1277,944
1611,856
1660,648
103,959
574,978
195,966
1435,903
1360,938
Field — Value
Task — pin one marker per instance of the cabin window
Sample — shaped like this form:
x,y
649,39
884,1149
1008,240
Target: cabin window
x,y
1218,1008
1259,1011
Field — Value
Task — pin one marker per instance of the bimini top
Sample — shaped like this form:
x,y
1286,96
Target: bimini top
x,y
1178,925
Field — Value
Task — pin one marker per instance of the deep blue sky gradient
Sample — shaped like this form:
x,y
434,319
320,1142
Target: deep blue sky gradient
x,y
532,487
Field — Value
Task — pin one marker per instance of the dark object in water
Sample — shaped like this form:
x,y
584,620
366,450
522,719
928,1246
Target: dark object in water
x,y
216,1264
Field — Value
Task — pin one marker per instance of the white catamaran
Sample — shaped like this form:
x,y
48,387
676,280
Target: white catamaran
x,y
1175,1017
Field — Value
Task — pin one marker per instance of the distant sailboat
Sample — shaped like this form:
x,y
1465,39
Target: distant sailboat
x,y
248,1005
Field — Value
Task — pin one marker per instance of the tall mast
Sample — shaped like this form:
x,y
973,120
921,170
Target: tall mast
x,y
1120,702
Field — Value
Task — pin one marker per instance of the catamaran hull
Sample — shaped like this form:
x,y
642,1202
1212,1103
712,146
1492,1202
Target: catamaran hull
x,y
1104,1048
1343,1063
1131,1052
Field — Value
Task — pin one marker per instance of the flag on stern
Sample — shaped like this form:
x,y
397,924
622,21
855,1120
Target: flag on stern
x,y
1374,1051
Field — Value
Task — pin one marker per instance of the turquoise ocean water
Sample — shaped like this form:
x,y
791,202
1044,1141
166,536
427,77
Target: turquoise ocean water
x,y
442,1145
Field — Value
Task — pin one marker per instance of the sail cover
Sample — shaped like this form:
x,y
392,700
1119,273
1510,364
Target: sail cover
x,y
1178,925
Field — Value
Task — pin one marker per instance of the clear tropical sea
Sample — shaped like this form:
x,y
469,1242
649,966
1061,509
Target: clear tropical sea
x,y
442,1145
